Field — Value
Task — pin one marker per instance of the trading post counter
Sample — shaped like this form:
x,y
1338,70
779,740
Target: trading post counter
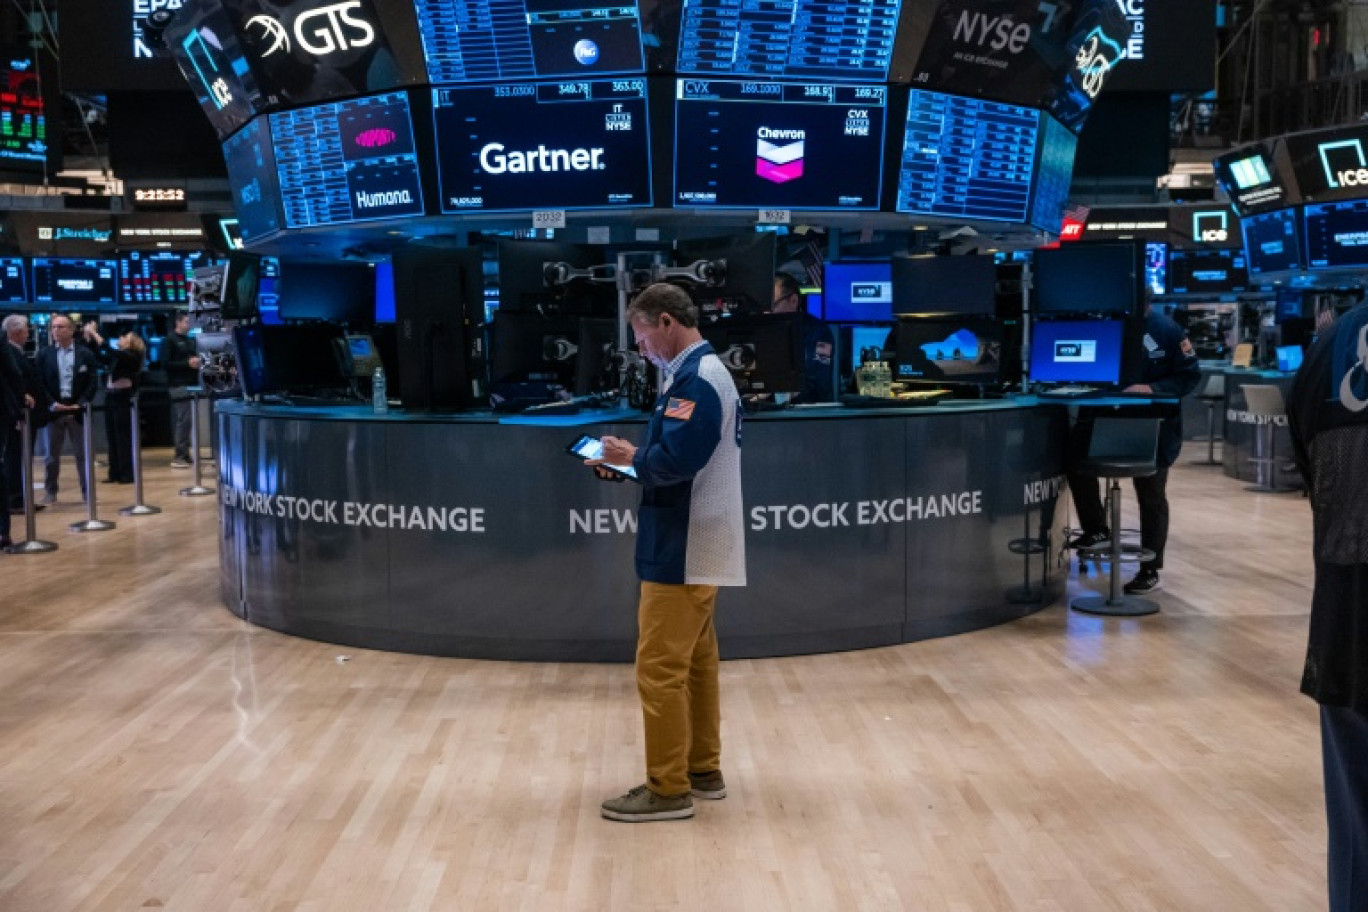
x,y
478,537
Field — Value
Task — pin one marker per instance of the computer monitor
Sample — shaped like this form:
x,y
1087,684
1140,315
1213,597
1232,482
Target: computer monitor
x,y
1289,357
1208,271
961,285
339,292
597,343
858,292
763,352
1102,278
744,275
439,350
1156,267
530,280
860,338
288,359
241,286
1077,351
950,350
528,347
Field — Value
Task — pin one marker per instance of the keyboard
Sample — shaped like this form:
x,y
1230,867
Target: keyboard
x,y
1070,392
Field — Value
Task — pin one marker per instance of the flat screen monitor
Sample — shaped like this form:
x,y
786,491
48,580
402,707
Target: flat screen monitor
x,y
1156,267
26,143
1087,278
763,352
967,158
1207,272
963,285
858,292
384,292
772,144
13,281
75,281
1252,181
529,39
1272,241
862,338
743,271
802,39
967,350
1289,357
1329,165
525,146
255,183
342,293
593,360
154,277
1077,351
348,161
1053,175
268,292
1337,234
529,347
205,46
529,273
241,286
280,360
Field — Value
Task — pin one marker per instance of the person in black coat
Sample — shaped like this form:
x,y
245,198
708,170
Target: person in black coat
x,y
16,331
70,376
1170,369
11,413
1327,411
124,363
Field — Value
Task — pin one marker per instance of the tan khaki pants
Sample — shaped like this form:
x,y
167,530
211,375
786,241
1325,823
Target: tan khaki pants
x,y
676,668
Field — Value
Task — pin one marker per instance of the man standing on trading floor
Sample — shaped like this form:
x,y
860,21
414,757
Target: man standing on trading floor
x,y
1327,411
690,541
1169,369
70,378
819,345
182,372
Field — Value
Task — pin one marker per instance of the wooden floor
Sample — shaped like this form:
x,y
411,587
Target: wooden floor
x,y
155,752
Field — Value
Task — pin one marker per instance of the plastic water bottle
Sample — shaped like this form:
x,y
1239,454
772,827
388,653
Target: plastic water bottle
x,y
379,402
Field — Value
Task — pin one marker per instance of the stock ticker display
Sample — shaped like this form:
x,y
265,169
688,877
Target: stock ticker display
x,y
568,145
255,184
1272,241
769,144
1337,234
23,117
488,40
967,158
75,281
347,161
1054,174
156,277
789,39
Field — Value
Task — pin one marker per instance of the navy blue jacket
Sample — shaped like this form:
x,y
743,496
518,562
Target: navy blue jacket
x,y
1171,368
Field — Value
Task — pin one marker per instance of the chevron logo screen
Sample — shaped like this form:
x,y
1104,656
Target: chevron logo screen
x,y
779,154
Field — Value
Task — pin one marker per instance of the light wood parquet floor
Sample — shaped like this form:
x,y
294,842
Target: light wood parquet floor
x,y
155,752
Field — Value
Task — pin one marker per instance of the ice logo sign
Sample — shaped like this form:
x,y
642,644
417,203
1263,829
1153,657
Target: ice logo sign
x,y
779,154
320,31
586,52
1344,163
1210,227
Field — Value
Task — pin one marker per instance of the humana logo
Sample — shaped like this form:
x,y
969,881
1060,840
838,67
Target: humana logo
x,y
495,160
384,198
779,163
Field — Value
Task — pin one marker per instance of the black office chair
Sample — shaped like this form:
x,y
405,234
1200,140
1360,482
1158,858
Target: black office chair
x,y
1212,396
1120,448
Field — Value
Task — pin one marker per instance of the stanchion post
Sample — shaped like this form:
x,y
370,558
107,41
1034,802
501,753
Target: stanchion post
x,y
197,489
31,543
139,508
92,523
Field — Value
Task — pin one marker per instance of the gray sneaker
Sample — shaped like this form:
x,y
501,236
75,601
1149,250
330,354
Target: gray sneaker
x,y
707,785
642,804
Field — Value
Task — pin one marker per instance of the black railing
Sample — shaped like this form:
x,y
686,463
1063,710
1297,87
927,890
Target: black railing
x,y
1196,123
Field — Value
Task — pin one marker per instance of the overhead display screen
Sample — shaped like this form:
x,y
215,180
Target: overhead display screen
x,y
23,113
967,158
303,51
347,162
1054,175
789,39
578,145
155,277
255,183
1156,267
66,281
1337,235
1330,164
1272,241
488,40
1170,46
206,49
770,144
1251,179
13,281
1207,272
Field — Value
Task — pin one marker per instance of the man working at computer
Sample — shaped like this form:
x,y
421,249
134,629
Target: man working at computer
x,y
1169,369
819,345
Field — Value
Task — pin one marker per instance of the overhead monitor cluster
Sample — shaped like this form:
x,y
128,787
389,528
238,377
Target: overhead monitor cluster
x,y
333,113
134,277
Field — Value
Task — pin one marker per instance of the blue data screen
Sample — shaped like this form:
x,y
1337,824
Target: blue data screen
x,y
1076,351
13,280
789,39
967,158
347,161
252,175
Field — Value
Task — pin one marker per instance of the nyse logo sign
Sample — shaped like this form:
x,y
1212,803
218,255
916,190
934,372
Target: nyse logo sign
x,y
1211,227
319,32
1075,351
1344,163
995,33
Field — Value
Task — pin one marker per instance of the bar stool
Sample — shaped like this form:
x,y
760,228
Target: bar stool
x,y
1212,395
1266,401
1120,448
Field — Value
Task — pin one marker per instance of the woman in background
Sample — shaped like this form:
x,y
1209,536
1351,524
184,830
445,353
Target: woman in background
x,y
124,360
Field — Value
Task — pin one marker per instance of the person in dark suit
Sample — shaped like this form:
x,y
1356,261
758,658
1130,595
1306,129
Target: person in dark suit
x,y
124,360
70,378
11,413
16,329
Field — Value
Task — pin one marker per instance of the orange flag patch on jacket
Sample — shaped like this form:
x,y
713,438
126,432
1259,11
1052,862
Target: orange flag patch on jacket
x,y
679,408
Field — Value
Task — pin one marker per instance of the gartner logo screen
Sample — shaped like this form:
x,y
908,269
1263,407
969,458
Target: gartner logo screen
x,y
784,145
568,145
347,162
